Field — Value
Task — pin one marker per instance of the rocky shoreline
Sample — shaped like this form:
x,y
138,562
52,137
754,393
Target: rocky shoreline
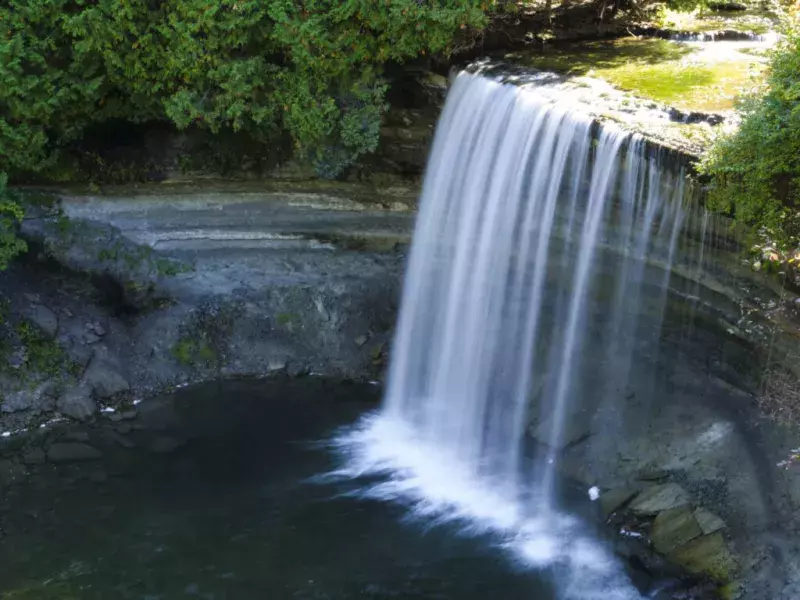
x,y
96,319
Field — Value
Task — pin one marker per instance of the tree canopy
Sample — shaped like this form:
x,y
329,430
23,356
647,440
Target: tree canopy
x,y
755,170
10,216
310,68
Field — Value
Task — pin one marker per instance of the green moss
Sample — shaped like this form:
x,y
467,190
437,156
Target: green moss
x,y
285,319
137,258
583,58
664,83
182,352
63,225
170,268
660,70
42,355
190,352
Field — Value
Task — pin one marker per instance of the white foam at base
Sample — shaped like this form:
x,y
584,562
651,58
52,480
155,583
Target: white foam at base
x,y
438,489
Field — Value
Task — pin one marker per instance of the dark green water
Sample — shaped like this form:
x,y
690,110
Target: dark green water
x,y
231,513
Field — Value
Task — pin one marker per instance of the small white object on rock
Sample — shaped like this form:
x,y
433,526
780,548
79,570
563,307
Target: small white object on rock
x,y
594,493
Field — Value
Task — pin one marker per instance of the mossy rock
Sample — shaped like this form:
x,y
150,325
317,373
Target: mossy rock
x,y
706,555
193,353
658,498
674,528
612,500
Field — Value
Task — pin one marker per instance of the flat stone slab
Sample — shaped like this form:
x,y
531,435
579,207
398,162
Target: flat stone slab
x,y
708,521
673,528
105,380
658,498
612,500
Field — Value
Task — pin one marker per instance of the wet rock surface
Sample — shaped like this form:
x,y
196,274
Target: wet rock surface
x,y
72,451
105,380
659,498
45,319
673,528
77,403
613,500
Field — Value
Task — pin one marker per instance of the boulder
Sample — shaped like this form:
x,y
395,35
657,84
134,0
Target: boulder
x,y
72,451
612,500
105,379
658,498
77,403
708,521
673,528
45,319
37,399
17,401
706,555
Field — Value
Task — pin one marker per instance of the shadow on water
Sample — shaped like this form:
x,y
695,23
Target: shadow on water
x,y
208,494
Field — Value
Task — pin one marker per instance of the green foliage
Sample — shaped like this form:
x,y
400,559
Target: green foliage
x,y
284,319
10,216
41,355
756,170
190,352
312,68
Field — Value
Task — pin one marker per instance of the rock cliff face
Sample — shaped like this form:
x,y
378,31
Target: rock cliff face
x,y
133,294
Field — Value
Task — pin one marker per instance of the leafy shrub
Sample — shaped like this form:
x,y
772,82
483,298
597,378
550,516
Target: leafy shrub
x,y
311,67
756,169
10,215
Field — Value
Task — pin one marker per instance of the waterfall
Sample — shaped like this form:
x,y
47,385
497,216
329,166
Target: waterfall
x,y
536,283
